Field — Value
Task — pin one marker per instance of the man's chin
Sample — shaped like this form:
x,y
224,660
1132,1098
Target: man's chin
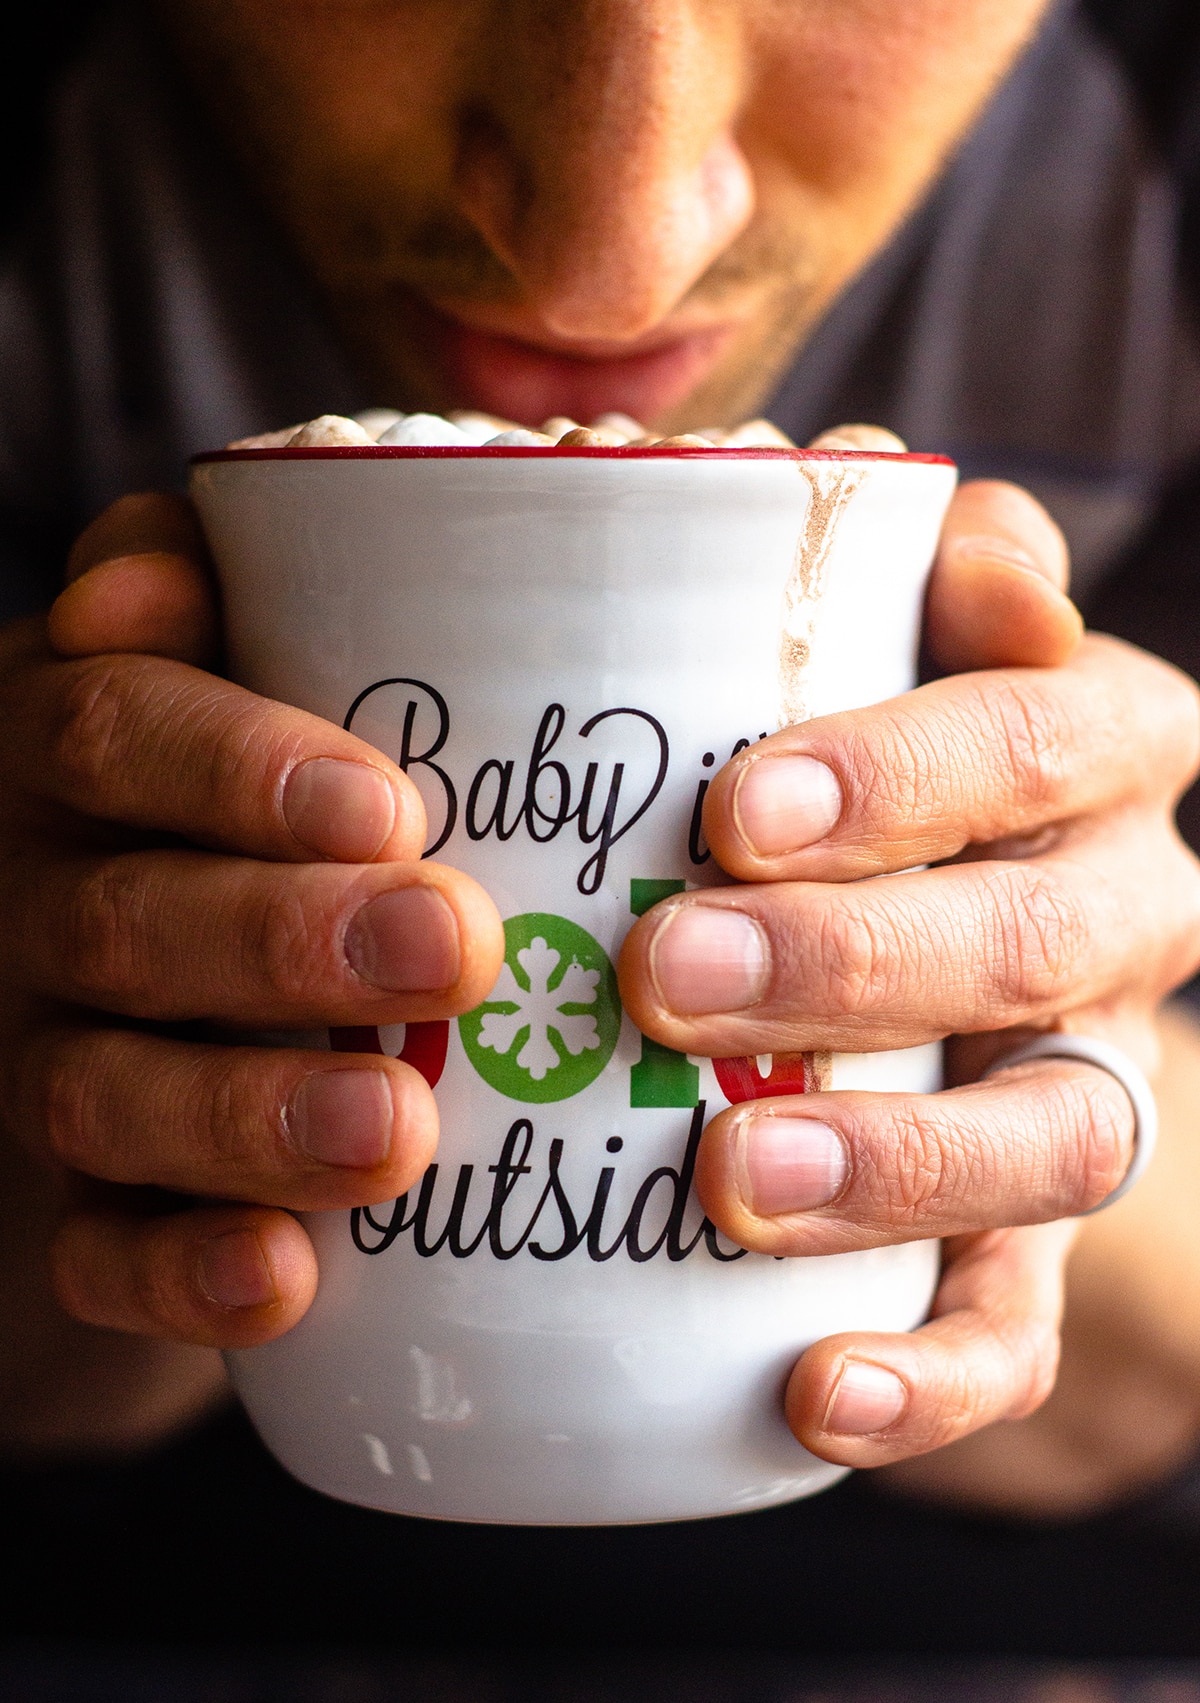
x,y
524,382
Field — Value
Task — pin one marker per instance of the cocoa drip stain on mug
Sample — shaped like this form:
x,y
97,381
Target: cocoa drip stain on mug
x,y
822,1070
831,487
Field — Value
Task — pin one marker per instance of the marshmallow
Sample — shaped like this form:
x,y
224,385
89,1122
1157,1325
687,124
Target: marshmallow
x,y
428,429
328,431
467,428
478,428
861,437
588,437
376,421
623,424
519,439
754,434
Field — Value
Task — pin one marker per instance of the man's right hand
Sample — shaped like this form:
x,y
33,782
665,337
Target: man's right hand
x,y
179,853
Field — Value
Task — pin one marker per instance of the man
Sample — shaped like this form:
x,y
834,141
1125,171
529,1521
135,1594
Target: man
x,y
661,206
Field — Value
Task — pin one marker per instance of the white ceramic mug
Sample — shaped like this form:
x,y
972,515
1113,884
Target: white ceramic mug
x,y
561,648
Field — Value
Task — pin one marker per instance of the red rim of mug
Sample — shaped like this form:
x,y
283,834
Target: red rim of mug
x,y
540,452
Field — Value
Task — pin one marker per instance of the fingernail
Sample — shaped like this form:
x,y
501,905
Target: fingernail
x,y
781,804
865,1399
791,1164
705,959
406,941
339,810
343,1117
233,1271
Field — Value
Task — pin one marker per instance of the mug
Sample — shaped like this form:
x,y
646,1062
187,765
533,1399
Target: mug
x,y
561,648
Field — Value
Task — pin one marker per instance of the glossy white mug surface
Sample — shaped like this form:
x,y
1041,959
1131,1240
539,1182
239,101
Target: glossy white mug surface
x,y
561,649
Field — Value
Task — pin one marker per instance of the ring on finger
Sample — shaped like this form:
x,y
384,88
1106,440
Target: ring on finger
x,y
1088,1050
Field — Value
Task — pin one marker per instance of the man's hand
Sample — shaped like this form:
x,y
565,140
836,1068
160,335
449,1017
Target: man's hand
x,y
180,852
1041,786
177,854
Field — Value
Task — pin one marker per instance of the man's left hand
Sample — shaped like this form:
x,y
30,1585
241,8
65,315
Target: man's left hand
x,y
1039,781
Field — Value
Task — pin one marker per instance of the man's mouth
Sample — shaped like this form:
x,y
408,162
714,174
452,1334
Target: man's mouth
x,y
528,381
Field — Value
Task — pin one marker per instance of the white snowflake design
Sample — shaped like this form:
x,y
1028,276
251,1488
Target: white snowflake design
x,y
540,1008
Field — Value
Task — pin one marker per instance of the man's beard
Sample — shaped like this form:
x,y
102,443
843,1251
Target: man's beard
x,y
380,279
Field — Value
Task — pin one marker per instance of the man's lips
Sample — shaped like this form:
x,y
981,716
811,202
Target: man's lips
x,y
528,381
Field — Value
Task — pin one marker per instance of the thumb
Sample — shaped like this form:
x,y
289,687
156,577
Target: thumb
x,y
997,596
139,580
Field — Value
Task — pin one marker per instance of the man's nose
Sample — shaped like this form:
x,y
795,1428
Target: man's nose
x,y
601,166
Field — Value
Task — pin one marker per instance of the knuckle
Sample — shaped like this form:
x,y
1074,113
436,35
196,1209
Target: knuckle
x,y
898,770
222,1123
1040,934
860,958
933,1166
237,743
962,1406
914,1175
64,1107
235,1123
69,1269
162,1286
289,945
1079,1122
1029,722
1099,1110
86,739
102,929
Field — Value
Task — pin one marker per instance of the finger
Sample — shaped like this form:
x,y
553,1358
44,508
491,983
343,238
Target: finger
x,y
989,1352
161,746
801,966
303,1130
963,761
154,603
876,439
997,594
143,521
216,1276
830,1172
176,935
137,580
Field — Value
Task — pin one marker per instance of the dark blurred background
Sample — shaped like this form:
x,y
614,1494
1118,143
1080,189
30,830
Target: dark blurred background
x,y
73,1533
50,35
